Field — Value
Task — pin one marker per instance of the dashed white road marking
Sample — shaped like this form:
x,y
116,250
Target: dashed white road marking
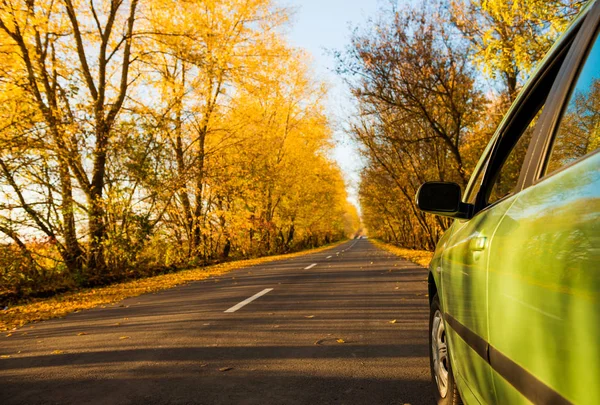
x,y
248,300
310,267
329,257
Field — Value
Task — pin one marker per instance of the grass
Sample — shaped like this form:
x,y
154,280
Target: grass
x,y
420,257
62,304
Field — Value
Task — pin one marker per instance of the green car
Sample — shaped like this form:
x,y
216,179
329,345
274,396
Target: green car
x,y
514,285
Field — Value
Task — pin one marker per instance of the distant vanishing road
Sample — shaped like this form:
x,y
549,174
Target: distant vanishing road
x,y
310,330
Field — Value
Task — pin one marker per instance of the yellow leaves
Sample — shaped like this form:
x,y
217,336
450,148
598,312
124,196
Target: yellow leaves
x,y
123,337
58,352
309,316
510,37
225,369
340,340
81,334
392,321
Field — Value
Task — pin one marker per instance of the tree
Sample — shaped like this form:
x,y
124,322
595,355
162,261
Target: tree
x,y
53,44
139,137
417,103
509,37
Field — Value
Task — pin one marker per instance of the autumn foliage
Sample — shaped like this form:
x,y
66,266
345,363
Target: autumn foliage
x,y
431,83
139,137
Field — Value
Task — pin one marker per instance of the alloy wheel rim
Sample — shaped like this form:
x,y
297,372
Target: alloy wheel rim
x,y
439,351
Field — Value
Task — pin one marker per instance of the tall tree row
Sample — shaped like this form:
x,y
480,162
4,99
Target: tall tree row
x,y
430,83
137,136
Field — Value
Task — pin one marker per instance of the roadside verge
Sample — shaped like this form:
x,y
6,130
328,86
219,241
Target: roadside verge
x,y
62,304
420,257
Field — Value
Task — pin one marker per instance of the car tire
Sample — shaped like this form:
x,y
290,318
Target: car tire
x,y
446,392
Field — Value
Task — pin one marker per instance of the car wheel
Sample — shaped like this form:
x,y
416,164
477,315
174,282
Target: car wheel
x,y
446,392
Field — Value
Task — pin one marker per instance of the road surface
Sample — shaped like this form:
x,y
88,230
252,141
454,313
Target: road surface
x,y
316,329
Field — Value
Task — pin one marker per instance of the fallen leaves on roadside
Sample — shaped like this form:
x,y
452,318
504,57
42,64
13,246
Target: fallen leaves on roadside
x,y
117,324
58,352
420,257
224,369
123,337
62,304
81,333
309,316
9,335
392,321
340,340
5,356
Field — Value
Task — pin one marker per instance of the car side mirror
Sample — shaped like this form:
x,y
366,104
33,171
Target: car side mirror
x,y
443,198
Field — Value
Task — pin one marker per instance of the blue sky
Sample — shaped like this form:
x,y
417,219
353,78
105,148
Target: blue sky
x,y
318,26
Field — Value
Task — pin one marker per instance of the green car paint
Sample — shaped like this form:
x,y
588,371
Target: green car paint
x,y
548,288
521,280
531,289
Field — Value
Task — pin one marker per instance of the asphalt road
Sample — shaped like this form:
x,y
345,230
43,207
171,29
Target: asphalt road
x,y
321,336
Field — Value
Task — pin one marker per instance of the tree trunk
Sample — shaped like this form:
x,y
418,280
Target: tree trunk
x,y
97,229
73,254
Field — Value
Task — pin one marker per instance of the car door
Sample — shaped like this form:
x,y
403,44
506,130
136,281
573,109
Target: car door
x,y
463,276
544,260
465,258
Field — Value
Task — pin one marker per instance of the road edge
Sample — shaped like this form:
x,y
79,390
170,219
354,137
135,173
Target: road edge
x,y
63,304
420,257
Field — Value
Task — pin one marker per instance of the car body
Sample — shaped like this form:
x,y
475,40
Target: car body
x,y
514,284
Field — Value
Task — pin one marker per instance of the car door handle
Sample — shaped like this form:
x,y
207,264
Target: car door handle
x,y
478,244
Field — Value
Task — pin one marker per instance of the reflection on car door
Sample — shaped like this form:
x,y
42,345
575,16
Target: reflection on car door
x,y
544,279
464,295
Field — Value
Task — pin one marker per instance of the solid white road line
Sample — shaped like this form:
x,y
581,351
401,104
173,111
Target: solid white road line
x,y
310,267
248,300
329,257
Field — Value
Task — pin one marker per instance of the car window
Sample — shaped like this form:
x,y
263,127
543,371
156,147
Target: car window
x,y
578,133
508,175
